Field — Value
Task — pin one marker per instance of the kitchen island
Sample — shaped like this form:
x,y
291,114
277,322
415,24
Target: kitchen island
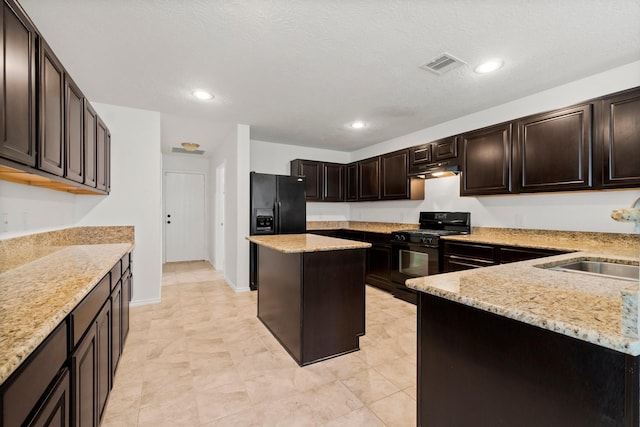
x,y
522,344
311,293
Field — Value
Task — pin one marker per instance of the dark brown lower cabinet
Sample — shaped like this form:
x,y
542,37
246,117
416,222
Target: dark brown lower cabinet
x,y
477,368
127,282
313,302
103,367
116,327
91,370
84,372
54,411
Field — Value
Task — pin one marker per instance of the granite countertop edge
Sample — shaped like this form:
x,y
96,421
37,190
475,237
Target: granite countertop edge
x,y
36,329
514,291
305,243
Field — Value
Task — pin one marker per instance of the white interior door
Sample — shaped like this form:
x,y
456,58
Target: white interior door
x,y
219,227
184,217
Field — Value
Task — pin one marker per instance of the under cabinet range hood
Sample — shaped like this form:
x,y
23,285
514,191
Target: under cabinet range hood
x,y
437,170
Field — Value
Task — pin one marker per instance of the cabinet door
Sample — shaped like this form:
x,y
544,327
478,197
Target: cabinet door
x,y
554,150
74,145
103,367
54,411
394,181
84,376
51,142
620,122
508,254
102,155
333,182
312,171
127,281
369,175
486,163
352,183
90,144
18,88
116,328
444,149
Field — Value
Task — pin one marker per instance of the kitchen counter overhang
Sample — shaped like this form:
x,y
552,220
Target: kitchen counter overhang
x,y
599,310
299,243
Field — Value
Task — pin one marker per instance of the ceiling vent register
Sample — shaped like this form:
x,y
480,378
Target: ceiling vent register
x,y
183,151
443,64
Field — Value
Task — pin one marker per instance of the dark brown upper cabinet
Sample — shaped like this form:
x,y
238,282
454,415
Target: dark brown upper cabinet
x,y
51,132
74,136
554,150
103,157
486,161
18,88
620,130
369,183
351,186
445,149
312,171
90,144
394,183
333,182
419,158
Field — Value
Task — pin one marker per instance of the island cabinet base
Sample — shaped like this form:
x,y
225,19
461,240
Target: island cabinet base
x,y
479,369
313,302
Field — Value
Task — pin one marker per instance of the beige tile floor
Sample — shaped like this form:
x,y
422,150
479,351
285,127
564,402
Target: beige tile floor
x,y
202,358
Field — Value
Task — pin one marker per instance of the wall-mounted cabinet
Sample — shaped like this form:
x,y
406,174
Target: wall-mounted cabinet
x,y
333,182
351,186
51,101
620,133
437,155
393,175
553,151
18,88
369,179
486,161
312,172
49,129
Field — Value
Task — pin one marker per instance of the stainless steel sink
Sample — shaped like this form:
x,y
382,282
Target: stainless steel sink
x,y
602,269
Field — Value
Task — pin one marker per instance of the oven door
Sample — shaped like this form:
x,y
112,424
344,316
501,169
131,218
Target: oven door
x,y
410,260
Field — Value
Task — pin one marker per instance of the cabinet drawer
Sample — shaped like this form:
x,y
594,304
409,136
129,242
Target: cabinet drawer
x,y
116,274
125,263
83,315
29,383
513,254
470,250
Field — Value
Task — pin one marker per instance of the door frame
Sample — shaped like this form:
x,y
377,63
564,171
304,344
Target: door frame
x,y
219,227
164,210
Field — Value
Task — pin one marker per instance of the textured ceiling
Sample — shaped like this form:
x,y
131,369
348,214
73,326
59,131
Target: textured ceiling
x,y
299,71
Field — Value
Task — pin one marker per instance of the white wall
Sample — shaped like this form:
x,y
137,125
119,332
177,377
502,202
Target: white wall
x,y
578,211
29,210
234,152
271,157
136,193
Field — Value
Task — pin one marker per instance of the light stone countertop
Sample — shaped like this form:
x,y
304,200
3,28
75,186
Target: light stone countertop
x,y
599,310
299,243
36,296
372,227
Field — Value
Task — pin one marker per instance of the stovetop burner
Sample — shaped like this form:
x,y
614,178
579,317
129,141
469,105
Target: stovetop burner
x,y
436,224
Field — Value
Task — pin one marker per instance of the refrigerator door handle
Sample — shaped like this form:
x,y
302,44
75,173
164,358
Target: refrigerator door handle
x,y
277,209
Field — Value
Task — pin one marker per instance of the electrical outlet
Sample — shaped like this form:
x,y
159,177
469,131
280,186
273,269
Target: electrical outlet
x,y
519,220
5,222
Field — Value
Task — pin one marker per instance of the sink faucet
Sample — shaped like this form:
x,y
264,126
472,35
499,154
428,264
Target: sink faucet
x,y
631,214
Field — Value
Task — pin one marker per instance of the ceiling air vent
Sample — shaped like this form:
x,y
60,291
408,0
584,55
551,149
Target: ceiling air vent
x,y
443,64
183,151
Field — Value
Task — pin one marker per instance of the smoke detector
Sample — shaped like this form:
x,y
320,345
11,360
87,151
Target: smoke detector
x,y
443,64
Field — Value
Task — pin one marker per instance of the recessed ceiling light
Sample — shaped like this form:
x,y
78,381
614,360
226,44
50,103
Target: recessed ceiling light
x,y
357,125
202,94
489,66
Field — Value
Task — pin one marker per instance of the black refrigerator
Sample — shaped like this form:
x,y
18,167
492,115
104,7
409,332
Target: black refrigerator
x,y
277,206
